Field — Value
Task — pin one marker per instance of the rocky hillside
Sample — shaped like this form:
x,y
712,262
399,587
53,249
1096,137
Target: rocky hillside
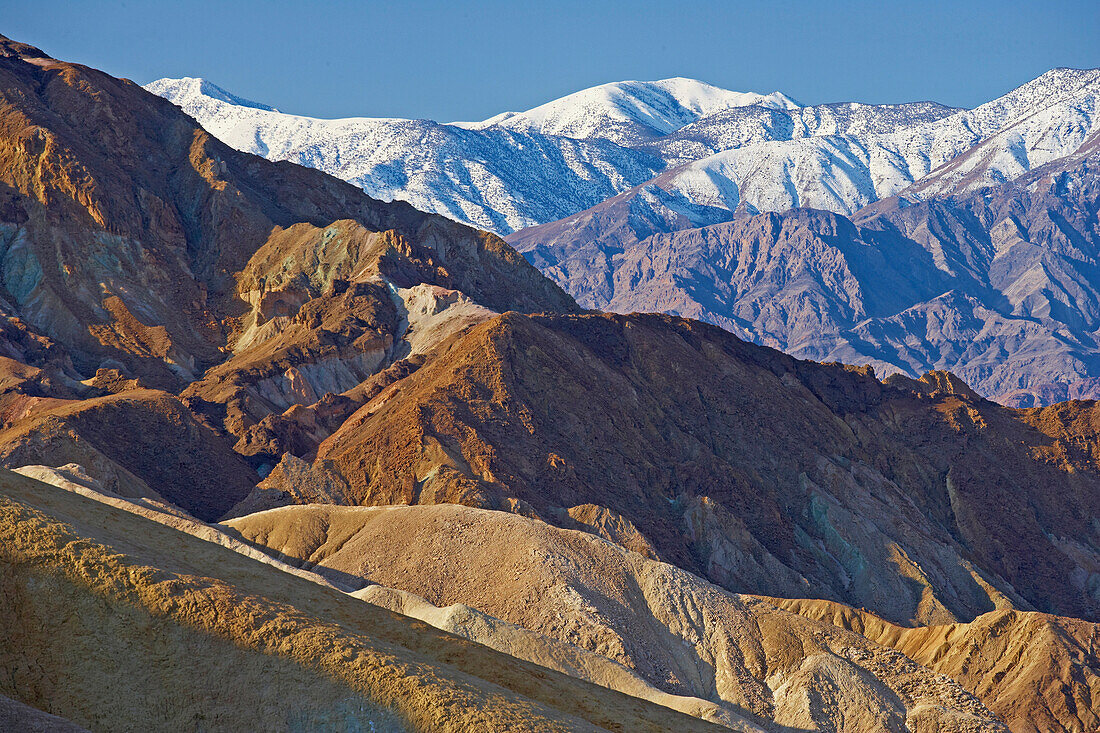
x,y
684,636
136,251
949,286
1018,663
203,637
998,286
155,205
917,500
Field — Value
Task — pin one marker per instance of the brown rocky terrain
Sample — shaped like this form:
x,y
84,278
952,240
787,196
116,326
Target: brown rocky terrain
x,y
917,500
1036,672
134,441
136,250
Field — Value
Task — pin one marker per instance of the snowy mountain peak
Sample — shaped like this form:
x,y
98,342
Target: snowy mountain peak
x,y
630,112
712,148
189,89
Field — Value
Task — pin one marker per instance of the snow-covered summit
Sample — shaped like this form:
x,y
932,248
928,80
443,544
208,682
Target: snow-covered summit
x,y
711,147
631,112
190,90
1045,119
495,179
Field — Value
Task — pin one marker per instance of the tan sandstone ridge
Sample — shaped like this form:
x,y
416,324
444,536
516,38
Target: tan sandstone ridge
x,y
678,632
1030,696
458,619
1037,672
97,599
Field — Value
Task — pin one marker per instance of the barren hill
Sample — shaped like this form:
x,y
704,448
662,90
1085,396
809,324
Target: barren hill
x,y
680,633
138,251
200,635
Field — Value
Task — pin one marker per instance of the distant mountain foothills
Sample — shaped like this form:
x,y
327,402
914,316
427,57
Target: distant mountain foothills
x,y
909,237
275,454
998,286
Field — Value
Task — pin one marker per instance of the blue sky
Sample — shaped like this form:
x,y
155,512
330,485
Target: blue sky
x,y
458,61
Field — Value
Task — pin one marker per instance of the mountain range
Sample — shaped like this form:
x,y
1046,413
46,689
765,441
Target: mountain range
x,y
278,454
714,148
957,240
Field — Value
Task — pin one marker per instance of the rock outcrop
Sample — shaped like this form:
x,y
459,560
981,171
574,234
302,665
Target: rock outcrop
x,y
1037,672
138,252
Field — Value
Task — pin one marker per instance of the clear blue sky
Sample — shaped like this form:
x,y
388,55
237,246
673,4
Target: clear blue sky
x,y
459,61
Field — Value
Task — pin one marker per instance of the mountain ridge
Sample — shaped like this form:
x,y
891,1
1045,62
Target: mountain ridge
x,y
647,130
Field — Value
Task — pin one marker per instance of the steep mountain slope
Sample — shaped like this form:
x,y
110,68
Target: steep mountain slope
x,y
723,149
136,251
680,633
917,500
997,286
146,192
88,587
1041,121
748,125
134,441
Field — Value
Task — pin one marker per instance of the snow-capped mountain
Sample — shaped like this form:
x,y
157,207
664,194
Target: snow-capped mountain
x,y
1043,120
632,112
972,245
517,170
708,149
494,178
998,286
197,92
743,126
